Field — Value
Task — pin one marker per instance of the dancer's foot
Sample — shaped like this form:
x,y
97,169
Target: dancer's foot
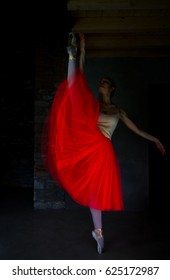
x,y
98,236
72,45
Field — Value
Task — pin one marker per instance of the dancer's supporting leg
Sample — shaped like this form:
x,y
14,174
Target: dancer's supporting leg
x,y
97,232
97,218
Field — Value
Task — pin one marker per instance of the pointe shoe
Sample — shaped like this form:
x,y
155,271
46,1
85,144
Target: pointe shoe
x,y
72,44
100,242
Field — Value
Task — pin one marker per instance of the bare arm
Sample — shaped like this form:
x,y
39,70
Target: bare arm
x,y
82,50
132,126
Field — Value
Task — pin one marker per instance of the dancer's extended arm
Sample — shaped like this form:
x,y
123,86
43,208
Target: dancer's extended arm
x,y
131,125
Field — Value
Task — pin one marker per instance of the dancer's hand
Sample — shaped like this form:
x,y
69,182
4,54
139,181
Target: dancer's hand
x,y
160,147
82,42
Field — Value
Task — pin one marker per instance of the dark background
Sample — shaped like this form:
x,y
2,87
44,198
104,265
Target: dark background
x,y
27,32
24,30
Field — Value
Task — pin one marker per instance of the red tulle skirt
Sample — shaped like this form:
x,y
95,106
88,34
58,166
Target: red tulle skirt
x,y
78,156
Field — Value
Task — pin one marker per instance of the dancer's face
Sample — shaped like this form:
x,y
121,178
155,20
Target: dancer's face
x,y
105,87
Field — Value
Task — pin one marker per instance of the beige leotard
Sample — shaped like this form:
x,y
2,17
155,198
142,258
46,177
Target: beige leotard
x,y
107,124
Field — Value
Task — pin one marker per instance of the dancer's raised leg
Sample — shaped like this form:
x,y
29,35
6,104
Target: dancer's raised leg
x,y
72,52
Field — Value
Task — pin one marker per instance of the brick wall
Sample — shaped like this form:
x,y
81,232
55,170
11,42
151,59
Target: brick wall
x,y
51,66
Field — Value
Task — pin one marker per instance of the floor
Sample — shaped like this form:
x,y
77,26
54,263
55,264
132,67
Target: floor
x,y
65,234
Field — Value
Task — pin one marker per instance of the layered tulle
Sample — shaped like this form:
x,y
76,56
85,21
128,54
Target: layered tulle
x,y
78,156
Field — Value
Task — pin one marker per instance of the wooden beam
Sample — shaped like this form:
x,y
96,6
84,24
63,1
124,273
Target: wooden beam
x,y
121,24
73,5
119,13
140,53
102,41
123,28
